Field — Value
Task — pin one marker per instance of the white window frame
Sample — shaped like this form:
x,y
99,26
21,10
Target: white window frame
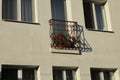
x,y
1,10
75,72
67,10
105,15
20,69
34,11
108,18
114,73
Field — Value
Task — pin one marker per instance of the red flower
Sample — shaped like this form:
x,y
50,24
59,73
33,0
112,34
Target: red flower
x,y
60,35
73,38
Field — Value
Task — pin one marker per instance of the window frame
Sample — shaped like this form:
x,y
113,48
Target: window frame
x,y
20,69
18,12
105,15
101,73
67,10
65,70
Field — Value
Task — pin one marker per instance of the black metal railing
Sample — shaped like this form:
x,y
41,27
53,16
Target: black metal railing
x,y
65,34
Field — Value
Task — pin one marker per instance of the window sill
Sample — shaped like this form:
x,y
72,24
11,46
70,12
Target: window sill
x,y
65,51
10,20
100,30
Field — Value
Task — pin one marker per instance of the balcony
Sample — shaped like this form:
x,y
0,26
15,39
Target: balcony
x,y
65,35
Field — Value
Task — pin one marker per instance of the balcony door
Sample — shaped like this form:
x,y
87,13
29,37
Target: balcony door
x,y
58,13
58,9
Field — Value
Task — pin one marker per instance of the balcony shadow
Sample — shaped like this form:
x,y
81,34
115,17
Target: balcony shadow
x,y
85,46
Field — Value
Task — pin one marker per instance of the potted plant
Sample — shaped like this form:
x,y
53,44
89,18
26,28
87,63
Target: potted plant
x,y
63,40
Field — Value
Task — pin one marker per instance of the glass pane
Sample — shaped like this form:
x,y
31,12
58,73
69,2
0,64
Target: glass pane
x,y
69,75
89,23
26,10
58,11
95,75
99,17
28,74
107,75
9,9
9,74
57,75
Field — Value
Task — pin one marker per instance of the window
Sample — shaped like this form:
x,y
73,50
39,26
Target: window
x,y
58,9
96,15
9,9
103,74
64,74
10,72
20,10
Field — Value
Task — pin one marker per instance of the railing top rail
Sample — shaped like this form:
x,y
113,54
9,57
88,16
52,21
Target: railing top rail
x,y
62,21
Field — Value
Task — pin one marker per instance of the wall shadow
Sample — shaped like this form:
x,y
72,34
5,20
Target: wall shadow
x,y
85,46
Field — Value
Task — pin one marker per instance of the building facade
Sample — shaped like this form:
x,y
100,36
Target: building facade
x,y
59,40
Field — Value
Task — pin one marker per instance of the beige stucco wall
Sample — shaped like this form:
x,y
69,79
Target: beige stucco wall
x,y
29,44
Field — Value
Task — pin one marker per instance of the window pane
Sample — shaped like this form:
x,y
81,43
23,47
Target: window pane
x,y
28,74
58,11
57,75
88,14
26,10
69,75
9,9
99,17
9,74
107,75
95,75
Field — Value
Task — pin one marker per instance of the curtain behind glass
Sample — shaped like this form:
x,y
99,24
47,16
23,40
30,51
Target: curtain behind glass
x,y
99,17
9,74
69,75
26,10
107,75
95,75
58,13
9,9
28,74
57,75
89,22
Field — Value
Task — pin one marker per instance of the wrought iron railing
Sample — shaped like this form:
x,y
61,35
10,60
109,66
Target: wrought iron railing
x,y
65,34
